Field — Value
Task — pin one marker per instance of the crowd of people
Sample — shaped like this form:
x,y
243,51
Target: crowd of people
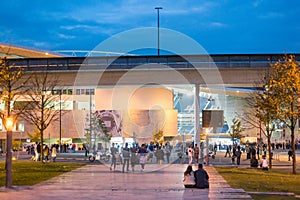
x,y
48,154
139,154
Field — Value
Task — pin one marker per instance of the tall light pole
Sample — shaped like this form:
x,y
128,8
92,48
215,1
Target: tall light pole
x,y
158,8
91,140
60,149
9,149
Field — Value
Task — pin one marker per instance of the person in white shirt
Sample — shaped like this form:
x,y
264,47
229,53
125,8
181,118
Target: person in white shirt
x,y
264,163
190,154
188,177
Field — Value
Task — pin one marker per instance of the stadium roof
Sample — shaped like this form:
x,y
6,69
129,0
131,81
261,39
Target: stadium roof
x,y
11,51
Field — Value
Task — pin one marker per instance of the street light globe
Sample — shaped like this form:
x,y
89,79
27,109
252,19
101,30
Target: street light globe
x,y
9,123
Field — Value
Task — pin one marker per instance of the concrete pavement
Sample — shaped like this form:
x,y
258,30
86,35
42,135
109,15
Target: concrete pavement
x,y
98,182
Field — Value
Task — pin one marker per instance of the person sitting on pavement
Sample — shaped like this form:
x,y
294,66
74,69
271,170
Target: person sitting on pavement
x,y
188,177
264,163
201,178
253,162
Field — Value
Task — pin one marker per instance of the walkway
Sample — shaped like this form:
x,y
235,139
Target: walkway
x,y
97,182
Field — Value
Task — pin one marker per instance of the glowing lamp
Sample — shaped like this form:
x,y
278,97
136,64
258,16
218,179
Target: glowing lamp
x,y
9,123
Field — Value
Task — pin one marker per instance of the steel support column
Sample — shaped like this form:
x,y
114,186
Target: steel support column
x,y
197,114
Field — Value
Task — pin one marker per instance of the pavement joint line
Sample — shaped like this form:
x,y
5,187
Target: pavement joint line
x,y
274,193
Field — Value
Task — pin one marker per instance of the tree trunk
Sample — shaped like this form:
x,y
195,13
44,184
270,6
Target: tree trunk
x,y
269,150
42,144
293,149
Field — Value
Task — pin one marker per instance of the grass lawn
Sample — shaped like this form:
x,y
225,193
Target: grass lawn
x,y
30,173
261,181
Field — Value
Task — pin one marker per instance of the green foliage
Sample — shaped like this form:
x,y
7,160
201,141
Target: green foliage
x,y
260,181
35,136
158,136
267,104
285,89
286,79
9,84
30,173
17,145
236,129
278,99
98,128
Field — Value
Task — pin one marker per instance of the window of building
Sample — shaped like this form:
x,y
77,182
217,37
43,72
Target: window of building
x,y
92,91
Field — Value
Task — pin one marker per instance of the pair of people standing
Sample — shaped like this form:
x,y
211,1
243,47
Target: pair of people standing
x,y
193,154
236,153
134,154
196,179
126,157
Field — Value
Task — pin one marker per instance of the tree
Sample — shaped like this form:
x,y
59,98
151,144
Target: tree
x,y
236,129
267,106
97,128
35,135
10,84
286,78
158,136
40,103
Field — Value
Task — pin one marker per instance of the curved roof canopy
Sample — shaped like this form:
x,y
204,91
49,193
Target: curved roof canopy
x,y
10,51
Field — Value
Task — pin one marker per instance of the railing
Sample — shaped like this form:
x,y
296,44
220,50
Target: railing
x,y
149,62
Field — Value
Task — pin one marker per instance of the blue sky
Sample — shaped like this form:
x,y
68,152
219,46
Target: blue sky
x,y
224,26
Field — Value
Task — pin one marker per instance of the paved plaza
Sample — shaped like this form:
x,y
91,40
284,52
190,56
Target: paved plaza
x,y
97,182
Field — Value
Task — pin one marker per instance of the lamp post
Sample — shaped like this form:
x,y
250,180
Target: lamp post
x,y
158,8
91,140
8,163
60,149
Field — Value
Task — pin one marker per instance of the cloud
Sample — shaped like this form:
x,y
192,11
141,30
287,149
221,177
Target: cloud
x,y
271,15
217,24
257,3
82,27
64,36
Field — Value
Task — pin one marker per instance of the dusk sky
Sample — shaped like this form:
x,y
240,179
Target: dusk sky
x,y
224,26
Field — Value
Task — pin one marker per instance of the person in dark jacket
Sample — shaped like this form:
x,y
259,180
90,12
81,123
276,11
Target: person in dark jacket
x,y
201,177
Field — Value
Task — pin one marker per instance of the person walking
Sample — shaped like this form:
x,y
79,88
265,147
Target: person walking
x,y
53,153
46,153
190,154
143,152
159,155
196,153
238,154
86,150
113,151
201,178
290,154
126,156
37,151
248,151
228,151
133,157
168,153
253,152
258,151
